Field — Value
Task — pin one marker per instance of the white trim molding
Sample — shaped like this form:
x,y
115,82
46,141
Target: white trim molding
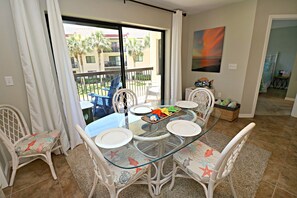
x,y
294,111
271,17
243,115
290,99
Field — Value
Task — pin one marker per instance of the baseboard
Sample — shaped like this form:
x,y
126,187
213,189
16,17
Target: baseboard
x,y
290,99
242,115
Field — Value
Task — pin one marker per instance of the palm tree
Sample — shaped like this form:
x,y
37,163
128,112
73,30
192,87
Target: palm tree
x,y
147,40
135,47
100,43
77,48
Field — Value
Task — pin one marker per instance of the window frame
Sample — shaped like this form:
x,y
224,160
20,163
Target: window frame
x,y
91,58
119,27
139,59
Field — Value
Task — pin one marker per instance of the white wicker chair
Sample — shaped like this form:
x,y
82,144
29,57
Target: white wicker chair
x,y
15,135
208,166
205,100
123,99
113,178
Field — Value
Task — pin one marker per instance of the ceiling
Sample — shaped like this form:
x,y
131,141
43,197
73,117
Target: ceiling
x,y
190,6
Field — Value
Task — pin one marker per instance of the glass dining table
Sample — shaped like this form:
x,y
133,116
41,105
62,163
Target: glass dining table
x,y
152,143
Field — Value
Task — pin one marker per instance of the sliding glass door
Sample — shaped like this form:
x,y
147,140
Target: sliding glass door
x,y
106,57
144,62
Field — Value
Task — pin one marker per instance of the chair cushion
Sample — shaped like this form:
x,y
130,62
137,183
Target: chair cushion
x,y
37,143
198,160
128,158
124,176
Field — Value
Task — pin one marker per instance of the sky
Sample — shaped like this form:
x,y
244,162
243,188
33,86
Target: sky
x,y
87,30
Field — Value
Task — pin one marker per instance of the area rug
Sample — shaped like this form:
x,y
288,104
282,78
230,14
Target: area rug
x,y
247,174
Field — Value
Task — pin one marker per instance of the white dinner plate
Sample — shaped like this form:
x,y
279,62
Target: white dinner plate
x,y
114,138
141,109
183,128
186,104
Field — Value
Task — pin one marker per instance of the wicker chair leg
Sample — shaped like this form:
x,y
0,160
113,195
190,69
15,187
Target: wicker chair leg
x,y
112,192
94,186
50,163
173,175
14,170
232,187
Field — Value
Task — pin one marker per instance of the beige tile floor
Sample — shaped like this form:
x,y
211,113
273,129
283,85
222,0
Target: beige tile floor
x,y
277,134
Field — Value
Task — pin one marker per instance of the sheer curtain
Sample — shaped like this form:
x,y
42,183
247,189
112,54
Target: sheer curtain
x,y
176,78
67,85
40,74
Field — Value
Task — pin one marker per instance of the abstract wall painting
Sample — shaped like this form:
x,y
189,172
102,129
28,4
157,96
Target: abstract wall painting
x,y
208,49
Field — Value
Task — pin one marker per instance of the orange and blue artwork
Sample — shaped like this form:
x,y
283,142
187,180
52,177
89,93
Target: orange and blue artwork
x,y
208,49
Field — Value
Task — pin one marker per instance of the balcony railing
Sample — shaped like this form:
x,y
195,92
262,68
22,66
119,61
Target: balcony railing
x,y
98,82
113,63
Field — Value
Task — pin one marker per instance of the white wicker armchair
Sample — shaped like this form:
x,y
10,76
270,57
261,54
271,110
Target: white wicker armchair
x,y
205,100
123,99
115,179
208,166
15,135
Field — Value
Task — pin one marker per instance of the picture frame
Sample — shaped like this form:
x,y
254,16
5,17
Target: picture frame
x,y
208,49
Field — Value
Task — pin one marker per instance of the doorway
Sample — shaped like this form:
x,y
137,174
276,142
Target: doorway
x,y
277,87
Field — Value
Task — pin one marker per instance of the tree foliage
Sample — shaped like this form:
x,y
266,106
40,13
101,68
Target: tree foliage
x,y
100,43
135,47
78,46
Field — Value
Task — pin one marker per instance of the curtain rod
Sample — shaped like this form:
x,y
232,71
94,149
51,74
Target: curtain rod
x,y
173,11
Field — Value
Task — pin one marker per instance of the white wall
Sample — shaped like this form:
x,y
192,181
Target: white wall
x,y
116,11
284,41
10,63
238,20
105,10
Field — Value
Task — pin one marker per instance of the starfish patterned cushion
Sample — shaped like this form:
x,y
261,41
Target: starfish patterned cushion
x,y
37,143
124,176
198,160
127,157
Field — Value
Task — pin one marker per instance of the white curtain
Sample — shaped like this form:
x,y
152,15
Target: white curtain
x,y
175,69
67,84
39,72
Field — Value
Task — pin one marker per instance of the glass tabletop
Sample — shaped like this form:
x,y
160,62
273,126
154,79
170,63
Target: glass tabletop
x,y
152,141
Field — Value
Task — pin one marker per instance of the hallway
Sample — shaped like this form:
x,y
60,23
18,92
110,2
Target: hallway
x,y
273,103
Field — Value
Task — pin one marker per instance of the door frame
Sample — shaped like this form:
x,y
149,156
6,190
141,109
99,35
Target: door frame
x,y
266,42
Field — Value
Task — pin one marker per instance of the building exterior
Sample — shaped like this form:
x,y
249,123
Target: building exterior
x,y
110,59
